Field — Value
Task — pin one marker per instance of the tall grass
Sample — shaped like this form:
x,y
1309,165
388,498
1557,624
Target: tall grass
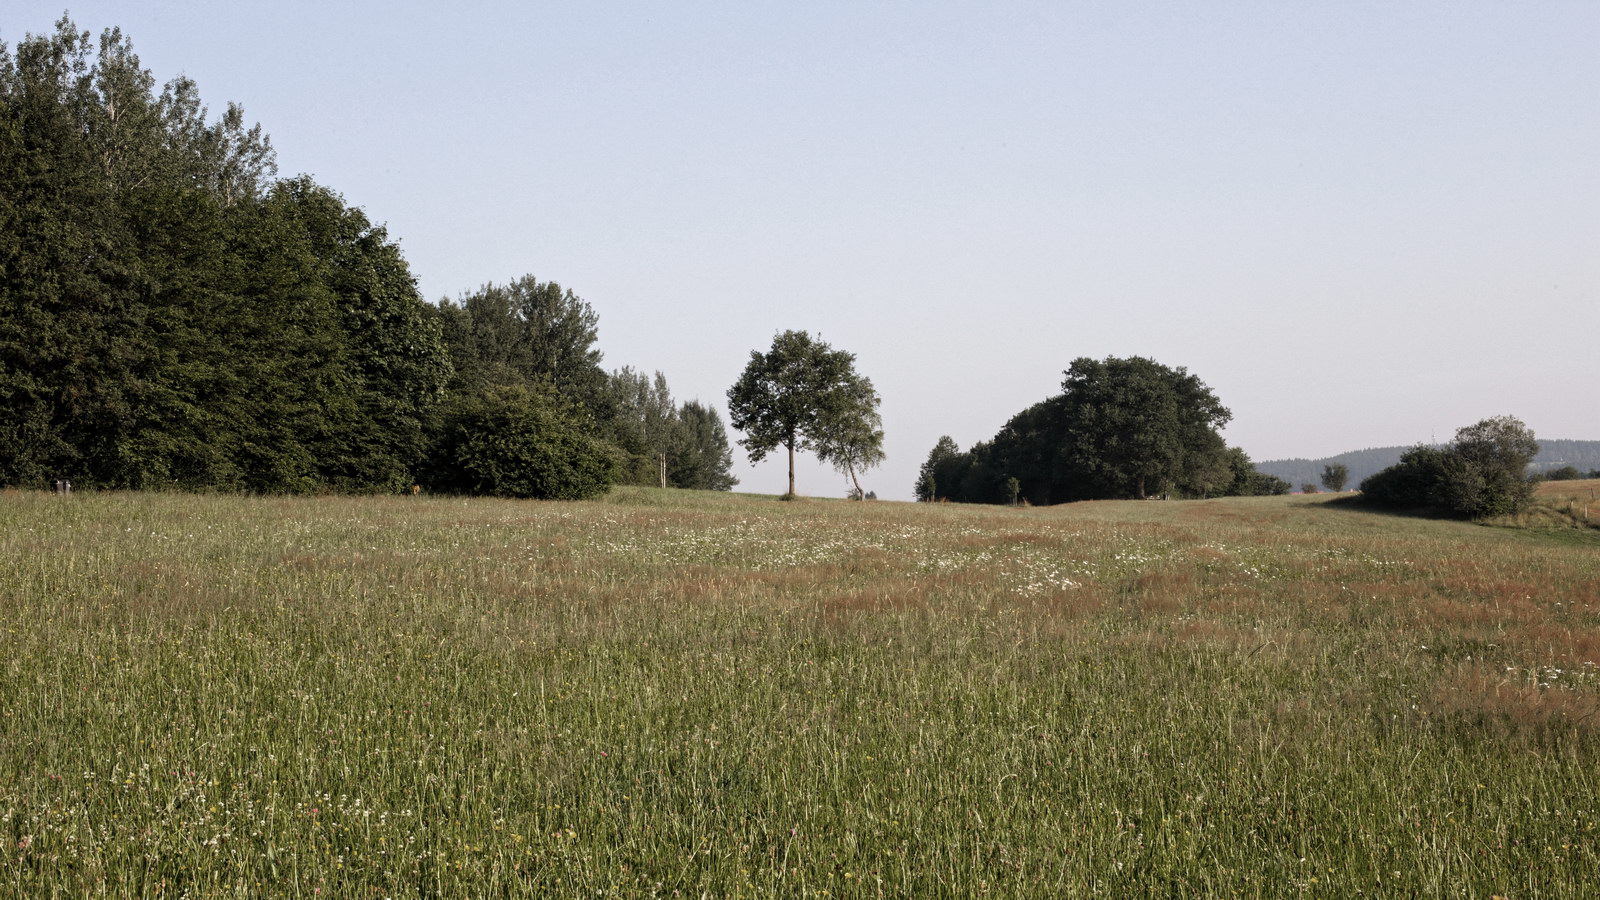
x,y
1570,509
670,694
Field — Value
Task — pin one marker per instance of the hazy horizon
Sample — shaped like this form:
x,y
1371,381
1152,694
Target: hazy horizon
x,y
1361,225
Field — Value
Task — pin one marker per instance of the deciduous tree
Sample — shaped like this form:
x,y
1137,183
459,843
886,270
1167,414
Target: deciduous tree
x,y
850,434
1334,476
1483,472
706,463
529,331
1133,424
935,472
804,395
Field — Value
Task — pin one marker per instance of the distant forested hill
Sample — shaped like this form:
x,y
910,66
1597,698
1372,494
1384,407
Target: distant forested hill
x,y
1553,454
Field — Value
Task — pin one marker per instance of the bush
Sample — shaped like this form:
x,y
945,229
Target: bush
x,y
1264,485
1482,473
514,441
1413,483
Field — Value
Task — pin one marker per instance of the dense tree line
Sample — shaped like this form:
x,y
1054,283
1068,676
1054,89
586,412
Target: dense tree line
x,y
1567,473
1120,428
1559,455
172,315
667,443
1581,456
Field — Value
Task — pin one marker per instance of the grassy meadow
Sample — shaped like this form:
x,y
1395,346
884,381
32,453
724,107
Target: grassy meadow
x,y
1569,509
666,694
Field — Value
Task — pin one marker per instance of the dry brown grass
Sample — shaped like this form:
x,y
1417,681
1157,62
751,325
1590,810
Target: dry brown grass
x,y
1560,504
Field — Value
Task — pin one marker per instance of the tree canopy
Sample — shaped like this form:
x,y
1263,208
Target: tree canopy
x,y
705,462
1135,425
667,444
525,332
1483,472
1334,476
1119,428
804,395
173,315
942,470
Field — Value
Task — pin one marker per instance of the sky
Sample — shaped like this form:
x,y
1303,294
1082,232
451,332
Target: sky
x,y
1361,224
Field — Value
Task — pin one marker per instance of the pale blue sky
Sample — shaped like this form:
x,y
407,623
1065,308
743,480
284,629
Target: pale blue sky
x,y
1360,224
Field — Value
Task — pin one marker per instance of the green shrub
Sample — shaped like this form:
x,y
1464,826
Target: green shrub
x,y
515,441
1413,483
1482,473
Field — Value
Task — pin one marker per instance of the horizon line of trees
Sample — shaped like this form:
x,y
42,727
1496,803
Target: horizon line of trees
x,y
1566,473
173,315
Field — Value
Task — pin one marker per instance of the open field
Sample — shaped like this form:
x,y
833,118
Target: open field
x,y
670,694
1569,505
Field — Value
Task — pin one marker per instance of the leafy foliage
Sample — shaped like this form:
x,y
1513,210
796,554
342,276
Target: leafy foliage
x,y
665,444
1482,473
850,436
1334,476
1553,454
945,466
1568,473
804,395
1416,482
706,460
528,332
519,441
1138,425
1120,428
1248,481
172,317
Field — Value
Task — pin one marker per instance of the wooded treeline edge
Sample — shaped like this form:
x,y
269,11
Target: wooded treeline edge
x,y
173,315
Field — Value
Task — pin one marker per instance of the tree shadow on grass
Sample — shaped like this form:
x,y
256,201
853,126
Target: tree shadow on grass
x,y
1360,504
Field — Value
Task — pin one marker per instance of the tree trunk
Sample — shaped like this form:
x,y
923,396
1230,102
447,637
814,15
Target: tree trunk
x,y
663,470
860,494
791,469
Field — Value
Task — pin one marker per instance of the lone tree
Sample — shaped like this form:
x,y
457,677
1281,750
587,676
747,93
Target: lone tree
x,y
1489,468
1334,476
852,437
804,395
